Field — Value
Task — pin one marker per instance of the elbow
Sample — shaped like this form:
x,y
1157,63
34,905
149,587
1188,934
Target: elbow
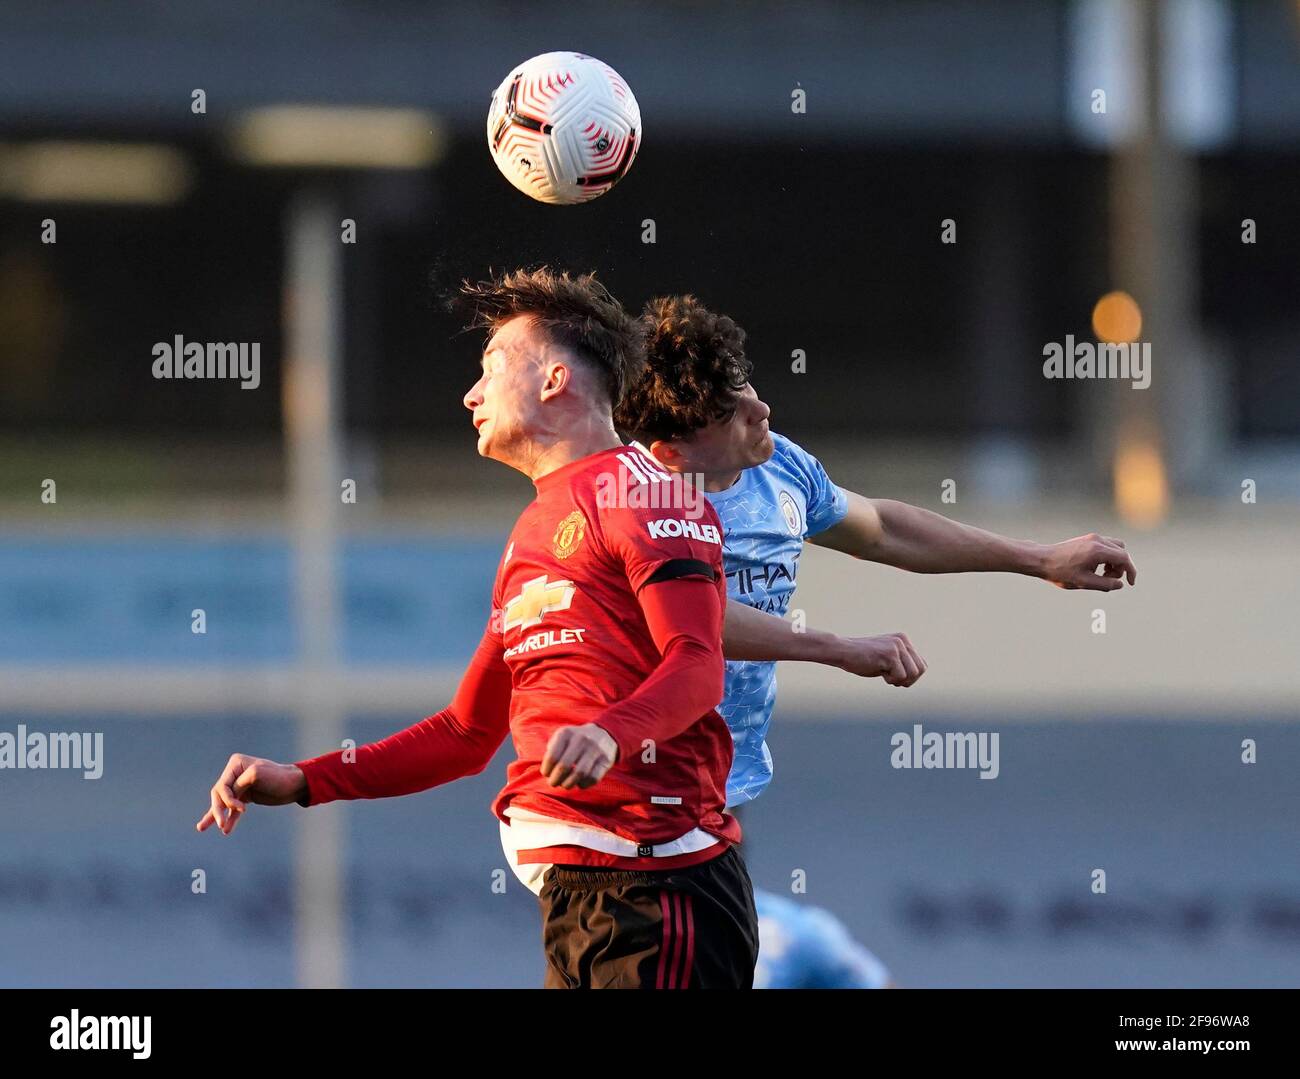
x,y
870,548
713,678
478,763
700,672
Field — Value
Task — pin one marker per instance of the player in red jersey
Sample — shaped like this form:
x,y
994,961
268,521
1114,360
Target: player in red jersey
x,y
602,659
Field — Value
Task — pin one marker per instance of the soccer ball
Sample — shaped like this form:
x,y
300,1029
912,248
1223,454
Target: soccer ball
x,y
563,127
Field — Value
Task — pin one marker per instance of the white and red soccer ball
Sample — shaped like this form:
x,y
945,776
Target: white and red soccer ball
x,y
563,127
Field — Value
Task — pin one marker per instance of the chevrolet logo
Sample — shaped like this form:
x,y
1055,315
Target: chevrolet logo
x,y
535,599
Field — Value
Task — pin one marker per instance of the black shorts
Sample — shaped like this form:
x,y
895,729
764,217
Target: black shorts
x,y
692,928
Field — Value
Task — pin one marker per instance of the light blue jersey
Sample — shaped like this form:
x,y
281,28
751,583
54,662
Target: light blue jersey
x,y
766,515
802,947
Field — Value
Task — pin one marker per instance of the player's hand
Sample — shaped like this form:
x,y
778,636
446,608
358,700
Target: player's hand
x,y
891,657
578,756
250,780
1073,564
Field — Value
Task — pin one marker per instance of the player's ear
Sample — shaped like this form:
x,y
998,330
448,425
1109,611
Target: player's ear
x,y
556,378
666,453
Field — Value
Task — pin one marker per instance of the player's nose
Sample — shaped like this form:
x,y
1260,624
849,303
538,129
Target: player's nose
x,y
474,396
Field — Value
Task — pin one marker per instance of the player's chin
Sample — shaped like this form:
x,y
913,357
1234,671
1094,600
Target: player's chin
x,y
763,450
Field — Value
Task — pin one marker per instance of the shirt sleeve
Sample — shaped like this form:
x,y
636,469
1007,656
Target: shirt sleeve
x,y
684,616
827,503
458,741
664,544
673,561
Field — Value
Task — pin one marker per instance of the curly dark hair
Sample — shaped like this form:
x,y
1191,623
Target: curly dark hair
x,y
696,367
577,313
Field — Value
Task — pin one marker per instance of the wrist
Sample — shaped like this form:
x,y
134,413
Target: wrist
x,y
301,792
828,648
611,743
1033,559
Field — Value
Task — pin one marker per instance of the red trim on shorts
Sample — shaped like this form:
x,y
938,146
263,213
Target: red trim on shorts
x,y
673,976
690,941
663,944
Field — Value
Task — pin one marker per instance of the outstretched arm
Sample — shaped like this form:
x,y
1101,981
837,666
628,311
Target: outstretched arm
x,y
912,538
458,741
756,635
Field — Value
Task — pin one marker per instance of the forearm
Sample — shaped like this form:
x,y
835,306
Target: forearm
x,y
434,751
755,635
686,685
684,618
919,540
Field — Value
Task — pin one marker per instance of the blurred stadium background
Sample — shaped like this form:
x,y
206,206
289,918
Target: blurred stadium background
x,y
818,231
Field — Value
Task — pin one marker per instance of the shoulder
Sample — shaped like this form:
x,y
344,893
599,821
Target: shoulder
x,y
615,480
785,447
629,493
791,456
618,468
796,465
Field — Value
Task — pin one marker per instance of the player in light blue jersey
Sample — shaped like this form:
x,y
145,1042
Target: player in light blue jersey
x,y
804,947
766,516
696,413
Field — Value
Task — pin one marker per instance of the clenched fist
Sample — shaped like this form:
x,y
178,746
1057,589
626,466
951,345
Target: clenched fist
x,y
890,657
251,779
578,756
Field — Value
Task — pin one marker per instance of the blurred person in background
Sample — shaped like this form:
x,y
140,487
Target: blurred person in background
x,y
804,947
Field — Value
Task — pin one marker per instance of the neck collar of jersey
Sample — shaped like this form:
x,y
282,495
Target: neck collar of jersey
x,y
551,479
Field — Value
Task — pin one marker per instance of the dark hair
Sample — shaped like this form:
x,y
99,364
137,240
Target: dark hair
x,y
696,367
577,313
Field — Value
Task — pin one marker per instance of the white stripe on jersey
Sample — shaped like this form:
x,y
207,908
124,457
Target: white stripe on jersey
x,y
651,464
641,469
630,464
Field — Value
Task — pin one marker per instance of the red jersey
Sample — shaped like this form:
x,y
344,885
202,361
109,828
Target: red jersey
x,y
597,619
572,631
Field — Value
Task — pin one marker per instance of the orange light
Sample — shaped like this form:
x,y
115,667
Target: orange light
x,y
1117,319
1141,486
